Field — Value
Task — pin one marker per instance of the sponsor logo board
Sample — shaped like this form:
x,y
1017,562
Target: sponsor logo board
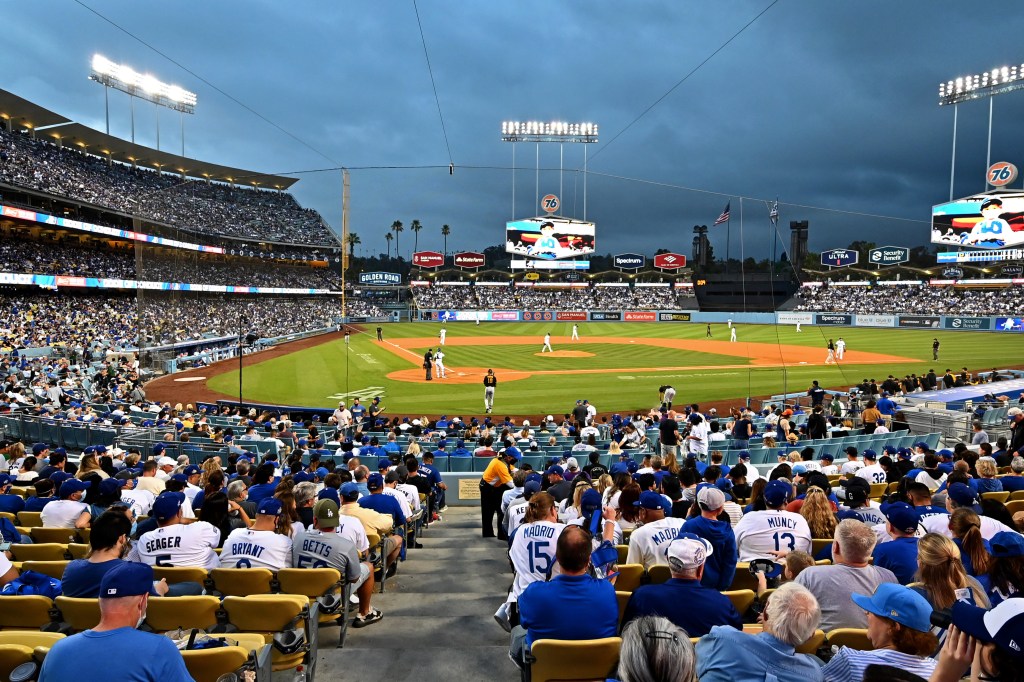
x,y
929,322
538,316
670,261
833,319
839,258
795,318
628,261
640,316
605,316
1001,173
953,273
428,259
967,323
673,317
571,315
469,259
876,320
380,278
889,255
505,316
1015,270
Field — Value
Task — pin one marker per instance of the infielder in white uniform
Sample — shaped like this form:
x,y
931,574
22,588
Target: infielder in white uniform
x,y
732,332
260,546
840,348
798,329
439,364
760,533
547,344
175,544
441,334
575,333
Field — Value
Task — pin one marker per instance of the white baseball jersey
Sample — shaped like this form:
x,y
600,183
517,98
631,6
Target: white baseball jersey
x,y
352,529
443,333
872,473
62,513
191,491
533,553
412,494
140,501
179,545
515,514
940,524
761,532
670,394
647,543
402,501
246,548
850,467
830,470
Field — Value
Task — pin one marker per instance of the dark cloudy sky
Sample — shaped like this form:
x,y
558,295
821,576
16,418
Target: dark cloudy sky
x,y
826,105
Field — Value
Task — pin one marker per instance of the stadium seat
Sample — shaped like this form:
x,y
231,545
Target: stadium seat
x,y
622,598
1013,506
80,614
172,613
50,551
28,612
1017,495
877,490
630,577
314,583
855,638
623,552
48,535
239,582
268,614
180,574
78,550
741,599
818,544
30,519
208,665
999,496
460,464
659,573
54,569
569,661
812,645
743,580
13,655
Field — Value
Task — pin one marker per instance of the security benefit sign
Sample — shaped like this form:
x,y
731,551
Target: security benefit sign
x,y
839,258
629,261
889,255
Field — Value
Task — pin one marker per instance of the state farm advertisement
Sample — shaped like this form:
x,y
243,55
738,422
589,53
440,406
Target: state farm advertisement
x,y
469,259
640,316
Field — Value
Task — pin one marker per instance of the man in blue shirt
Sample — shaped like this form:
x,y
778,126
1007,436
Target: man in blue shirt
x,y
571,606
684,599
124,596
886,406
727,654
460,449
383,504
719,571
433,475
899,555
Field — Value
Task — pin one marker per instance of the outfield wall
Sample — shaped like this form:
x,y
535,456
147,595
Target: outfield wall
x,y
819,319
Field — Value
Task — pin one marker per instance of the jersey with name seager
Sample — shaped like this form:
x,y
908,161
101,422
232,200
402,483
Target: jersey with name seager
x,y
179,545
648,542
761,532
532,553
247,548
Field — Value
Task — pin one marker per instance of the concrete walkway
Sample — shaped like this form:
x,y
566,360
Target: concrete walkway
x,y
438,623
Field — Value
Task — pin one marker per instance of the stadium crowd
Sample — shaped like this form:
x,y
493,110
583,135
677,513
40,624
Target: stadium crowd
x,y
913,299
197,206
528,298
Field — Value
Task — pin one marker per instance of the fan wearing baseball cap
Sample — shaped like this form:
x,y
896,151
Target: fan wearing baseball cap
x,y
69,511
990,643
684,599
260,546
173,543
760,534
899,555
899,628
94,654
719,571
647,543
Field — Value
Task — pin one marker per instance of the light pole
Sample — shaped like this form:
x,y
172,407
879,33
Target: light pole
x,y
553,131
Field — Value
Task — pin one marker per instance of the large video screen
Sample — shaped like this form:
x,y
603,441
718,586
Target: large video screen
x,y
549,238
988,221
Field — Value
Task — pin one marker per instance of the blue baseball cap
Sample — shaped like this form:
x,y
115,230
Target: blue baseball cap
x,y
619,468
1002,625
744,454
302,477
374,482
827,457
921,444
167,506
890,449
554,469
110,486
270,506
898,603
904,453
513,452
650,500
799,469
126,579
38,448
870,454
530,488
534,476
332,494
962,494
321,472
180,478
5,479
383,463
460,443
192,470
1007,544
901,516
348,490
777,492
71,486
590,500
59,477
60,451
945,454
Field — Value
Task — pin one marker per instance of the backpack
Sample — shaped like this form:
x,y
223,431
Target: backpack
x,y
32,583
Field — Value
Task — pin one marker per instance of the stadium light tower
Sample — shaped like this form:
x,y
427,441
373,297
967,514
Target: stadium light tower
x,y
551,131
144,86
998,81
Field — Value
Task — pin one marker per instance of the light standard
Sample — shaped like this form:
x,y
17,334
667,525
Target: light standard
x,y
553,131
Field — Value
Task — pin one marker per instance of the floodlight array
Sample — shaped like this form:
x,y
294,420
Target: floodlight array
x,y
994,82
548,131
143,86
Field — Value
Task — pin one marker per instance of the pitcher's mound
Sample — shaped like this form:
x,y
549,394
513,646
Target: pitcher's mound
x,y
458,375
566,354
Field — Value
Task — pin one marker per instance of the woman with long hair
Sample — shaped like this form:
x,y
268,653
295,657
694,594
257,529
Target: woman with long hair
x,y
817,511
942,576
218,512
975,552
610,495
88,465
629,495
208,467
669,463
756,497
288,523
613,448
533,547
1006,575
987,481
604,482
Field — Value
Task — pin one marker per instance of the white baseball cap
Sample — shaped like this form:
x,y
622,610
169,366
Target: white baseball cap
x,y
166,462
711,497
571,463
688,551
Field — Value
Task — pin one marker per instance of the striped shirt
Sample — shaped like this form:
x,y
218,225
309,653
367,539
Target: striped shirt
x,y
849,664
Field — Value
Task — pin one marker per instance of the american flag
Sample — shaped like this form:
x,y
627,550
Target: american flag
x,y
773,213
725,215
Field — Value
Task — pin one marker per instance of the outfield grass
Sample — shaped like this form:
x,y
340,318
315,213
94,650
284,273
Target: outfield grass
x,y
320,376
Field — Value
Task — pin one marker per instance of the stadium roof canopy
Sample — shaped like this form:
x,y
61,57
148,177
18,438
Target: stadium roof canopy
x,y
25,114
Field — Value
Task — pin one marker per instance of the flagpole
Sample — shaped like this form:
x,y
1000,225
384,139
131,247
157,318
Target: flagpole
x,y
728,236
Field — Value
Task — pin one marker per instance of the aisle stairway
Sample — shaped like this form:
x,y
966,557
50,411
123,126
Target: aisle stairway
x,y
437,614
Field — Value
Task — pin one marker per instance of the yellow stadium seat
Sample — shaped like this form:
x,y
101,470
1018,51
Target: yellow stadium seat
x,y
622,598
239,582
207,665
267,614
28,612
629,578
10,517
54,569
741,599
554,660
78,551
30,638
999,496
314,583
659,573
80,614
1017,495
53,535
30,519
623,552
84,534
812,645
877,490
855,638
171,613
11,656
743,580
1014,506
819,544
180,574
50,551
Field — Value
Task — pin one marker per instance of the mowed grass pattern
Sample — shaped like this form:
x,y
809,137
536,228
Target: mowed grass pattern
x,y
319,376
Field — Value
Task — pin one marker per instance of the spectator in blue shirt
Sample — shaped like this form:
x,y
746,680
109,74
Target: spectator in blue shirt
x,y
886,406
720,567
9,502
263,484
428,469
460,449
899,555
790,619
378,502
685,599
571,606
44,495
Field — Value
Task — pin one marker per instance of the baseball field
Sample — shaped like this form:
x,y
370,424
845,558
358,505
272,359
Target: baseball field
x,y
617,366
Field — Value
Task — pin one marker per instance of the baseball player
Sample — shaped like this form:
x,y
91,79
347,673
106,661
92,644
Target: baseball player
x,y
490,382
441,335
707,334
173,543
439,363
732,332
547,343
798,329
729,323
346,337
840,348
760,534
575,332
259,546
831,357
670,395
872,472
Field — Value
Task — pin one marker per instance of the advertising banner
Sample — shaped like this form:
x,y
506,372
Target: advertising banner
x,y
428,259
795,318
929,322
876,320
889,255
538,316
640,316
628,261
571,316
469,259
967,323
483,315
605,316
550,265
953,273
549,237
1015,270
1010,324
989,220
505,316
993,256
673,317
669,261
833,319
839,258
380,279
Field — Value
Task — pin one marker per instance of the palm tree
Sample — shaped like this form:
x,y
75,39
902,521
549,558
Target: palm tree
x,y
416,227
396,227
389,237
445,231
352,240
